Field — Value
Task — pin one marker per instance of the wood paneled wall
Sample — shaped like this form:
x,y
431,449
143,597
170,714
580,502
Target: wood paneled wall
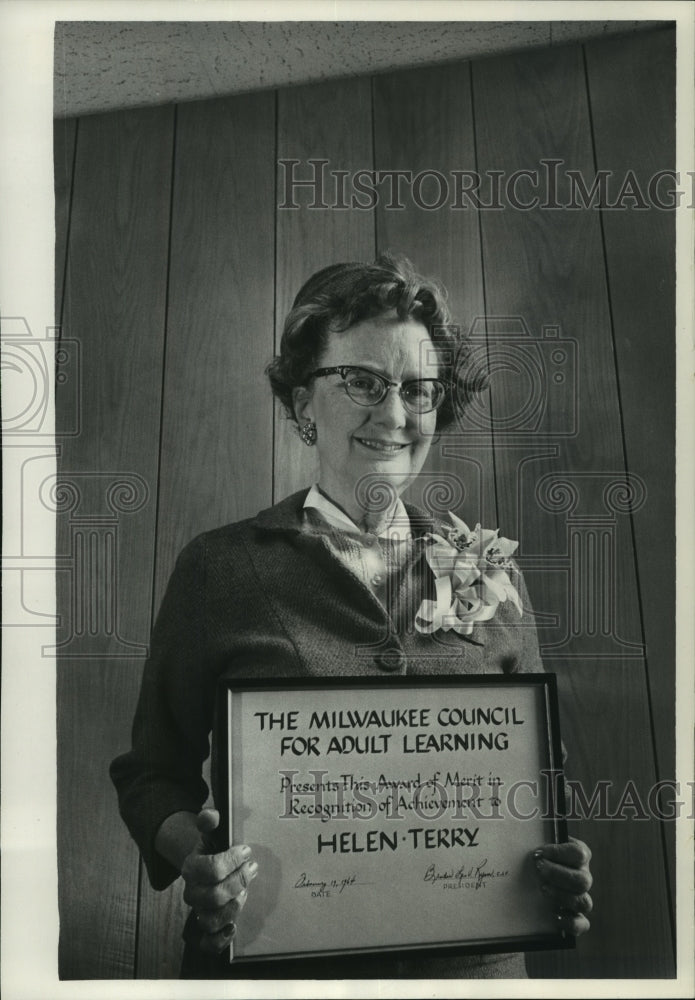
x,y
175,265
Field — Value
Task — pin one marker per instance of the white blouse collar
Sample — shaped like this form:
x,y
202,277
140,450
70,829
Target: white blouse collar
x,y
398,528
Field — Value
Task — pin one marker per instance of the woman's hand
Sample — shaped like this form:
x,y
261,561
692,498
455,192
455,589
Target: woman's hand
x,y
216,884
563,870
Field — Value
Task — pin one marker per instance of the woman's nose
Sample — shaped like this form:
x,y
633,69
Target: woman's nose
x,y
391,412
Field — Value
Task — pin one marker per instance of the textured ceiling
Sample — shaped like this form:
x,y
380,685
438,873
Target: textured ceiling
x,y
105,65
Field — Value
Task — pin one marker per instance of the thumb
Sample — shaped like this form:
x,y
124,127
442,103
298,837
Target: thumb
x,y
206,822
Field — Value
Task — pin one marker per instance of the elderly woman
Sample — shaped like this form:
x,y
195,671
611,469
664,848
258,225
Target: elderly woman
x,y
325,583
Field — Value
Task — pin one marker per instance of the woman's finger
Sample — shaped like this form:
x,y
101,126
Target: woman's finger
x,y
560,876
569,901
212,921
211,897
219,941
211,869
207,822
574,853
573,923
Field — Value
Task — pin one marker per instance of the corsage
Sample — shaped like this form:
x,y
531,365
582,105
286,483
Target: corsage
x,y
471,578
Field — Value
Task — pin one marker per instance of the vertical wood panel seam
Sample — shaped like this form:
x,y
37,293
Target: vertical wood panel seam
x,y
372,109
136,939
60,318
484,291
276,210
141,877
164,357
63,282
650,710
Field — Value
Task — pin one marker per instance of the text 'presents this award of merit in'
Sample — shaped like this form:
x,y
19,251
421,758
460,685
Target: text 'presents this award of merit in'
x,y
387,816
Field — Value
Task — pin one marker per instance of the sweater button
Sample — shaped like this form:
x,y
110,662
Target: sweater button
x,y
510,663
391,660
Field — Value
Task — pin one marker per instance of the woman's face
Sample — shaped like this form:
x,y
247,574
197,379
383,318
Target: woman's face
x,y
384,440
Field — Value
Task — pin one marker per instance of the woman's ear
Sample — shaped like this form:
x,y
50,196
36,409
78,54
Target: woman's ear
x,y
301,401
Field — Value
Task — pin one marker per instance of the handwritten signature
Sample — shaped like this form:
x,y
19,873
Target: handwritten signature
x,y
471,877
325,887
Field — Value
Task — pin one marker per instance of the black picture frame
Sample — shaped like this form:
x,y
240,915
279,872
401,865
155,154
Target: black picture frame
x,y
288,695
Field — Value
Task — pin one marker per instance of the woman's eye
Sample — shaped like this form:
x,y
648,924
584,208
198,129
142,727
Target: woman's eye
x,y
419,390
363,382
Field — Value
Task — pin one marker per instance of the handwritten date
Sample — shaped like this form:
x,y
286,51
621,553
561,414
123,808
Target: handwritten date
x,y
324,888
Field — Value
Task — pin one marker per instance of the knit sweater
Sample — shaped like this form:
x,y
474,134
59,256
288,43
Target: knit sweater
x,y
263,599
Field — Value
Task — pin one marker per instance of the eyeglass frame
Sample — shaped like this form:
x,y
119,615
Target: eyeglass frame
x,y
386,384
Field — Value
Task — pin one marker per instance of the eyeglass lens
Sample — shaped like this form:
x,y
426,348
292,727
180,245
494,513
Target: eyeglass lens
x,y
367,388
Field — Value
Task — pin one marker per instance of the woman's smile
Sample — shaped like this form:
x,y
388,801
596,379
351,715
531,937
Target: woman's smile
x,y
386,448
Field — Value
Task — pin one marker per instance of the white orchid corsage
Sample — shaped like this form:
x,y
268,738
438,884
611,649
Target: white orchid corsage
x,y
471,579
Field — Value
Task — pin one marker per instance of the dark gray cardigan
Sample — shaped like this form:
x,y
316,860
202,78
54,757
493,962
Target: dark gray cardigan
x,y
263,599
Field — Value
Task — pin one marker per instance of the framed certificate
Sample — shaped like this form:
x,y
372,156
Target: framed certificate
x,y
391,814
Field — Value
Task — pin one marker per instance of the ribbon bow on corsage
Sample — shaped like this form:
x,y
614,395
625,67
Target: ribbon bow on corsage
x,y
470,571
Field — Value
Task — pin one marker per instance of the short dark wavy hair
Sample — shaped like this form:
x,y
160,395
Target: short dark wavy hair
x,y
341,295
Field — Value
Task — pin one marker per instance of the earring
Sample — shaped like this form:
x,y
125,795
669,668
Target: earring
x,y
308,433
